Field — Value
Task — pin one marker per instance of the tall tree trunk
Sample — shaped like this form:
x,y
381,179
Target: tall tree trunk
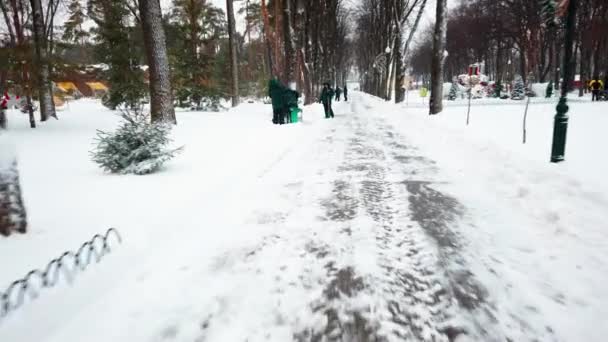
x,y
45,87
399,72
290,51
392,79
437,64
161,97
233,53
268,40
556,65
301,53
582,72
523,65
19,45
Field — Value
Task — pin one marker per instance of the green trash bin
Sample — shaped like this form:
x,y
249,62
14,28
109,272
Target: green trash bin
x,y
294,114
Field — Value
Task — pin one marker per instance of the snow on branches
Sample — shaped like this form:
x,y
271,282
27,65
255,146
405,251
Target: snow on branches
x,y
136,147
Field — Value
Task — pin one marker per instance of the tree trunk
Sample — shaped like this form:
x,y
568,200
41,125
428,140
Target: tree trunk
x,y
269,41
161,97
437,63
302,62
399,71
45,88
290,50
582,73
523,65
557,62
233,53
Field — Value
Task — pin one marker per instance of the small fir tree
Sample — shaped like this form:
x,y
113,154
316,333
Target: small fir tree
x,y
453,91
519,89
136,147
13,216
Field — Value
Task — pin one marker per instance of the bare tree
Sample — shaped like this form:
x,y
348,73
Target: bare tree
x,y
15,15
161,97
436,101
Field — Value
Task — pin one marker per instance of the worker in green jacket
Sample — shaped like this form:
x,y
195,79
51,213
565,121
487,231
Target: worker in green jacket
x,y
275,92
326,97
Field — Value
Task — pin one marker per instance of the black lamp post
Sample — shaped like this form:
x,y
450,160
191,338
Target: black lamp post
x,y
560,127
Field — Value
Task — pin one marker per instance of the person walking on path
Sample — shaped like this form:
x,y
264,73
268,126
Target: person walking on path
x,y
338,93
345,93
326,96
596,86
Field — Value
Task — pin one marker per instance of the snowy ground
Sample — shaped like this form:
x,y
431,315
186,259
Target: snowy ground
x,y
383,224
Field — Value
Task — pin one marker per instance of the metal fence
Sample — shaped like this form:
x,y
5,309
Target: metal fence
x,y
68,263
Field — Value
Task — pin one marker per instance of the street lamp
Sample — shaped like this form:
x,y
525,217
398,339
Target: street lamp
x,y
388,50
560,125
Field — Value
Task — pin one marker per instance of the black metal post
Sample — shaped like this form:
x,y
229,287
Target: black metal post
x,y
560,127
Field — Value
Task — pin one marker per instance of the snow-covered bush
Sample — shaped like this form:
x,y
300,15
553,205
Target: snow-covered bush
x,y
519,89
136,147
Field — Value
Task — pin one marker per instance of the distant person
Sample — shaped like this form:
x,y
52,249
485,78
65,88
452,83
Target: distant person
x,y
596,86
326,97
345,93
275,92
338,93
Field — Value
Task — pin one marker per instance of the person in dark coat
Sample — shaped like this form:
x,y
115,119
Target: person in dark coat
x,y
338,93
275,92
596,86
326,97
345,93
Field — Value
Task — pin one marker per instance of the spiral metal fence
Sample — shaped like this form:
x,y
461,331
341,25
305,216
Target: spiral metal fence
x,y
68,264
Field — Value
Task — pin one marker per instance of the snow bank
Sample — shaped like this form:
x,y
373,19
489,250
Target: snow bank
x,y
7,152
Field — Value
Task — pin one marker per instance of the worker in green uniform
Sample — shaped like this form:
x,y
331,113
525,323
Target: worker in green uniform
x,y
326,97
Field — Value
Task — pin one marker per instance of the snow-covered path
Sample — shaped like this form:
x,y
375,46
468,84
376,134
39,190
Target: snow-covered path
x,y
344,231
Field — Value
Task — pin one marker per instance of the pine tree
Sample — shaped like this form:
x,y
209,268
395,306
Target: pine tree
x,y
115,49
73,30
13,216
549,92
453,91
197,27
519,89
138,146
